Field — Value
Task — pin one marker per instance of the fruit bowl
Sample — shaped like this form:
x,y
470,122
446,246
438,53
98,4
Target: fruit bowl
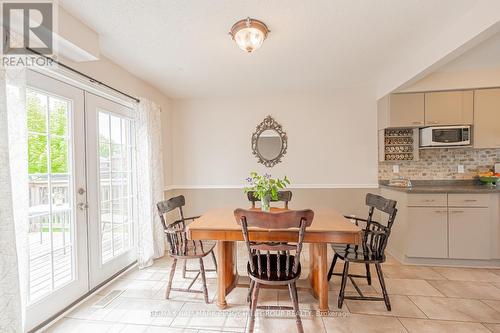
x,y
490,180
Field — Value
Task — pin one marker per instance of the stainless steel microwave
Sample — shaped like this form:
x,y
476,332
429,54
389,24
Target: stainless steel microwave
x,y
445,136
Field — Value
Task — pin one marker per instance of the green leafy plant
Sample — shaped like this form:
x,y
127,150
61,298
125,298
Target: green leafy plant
x,y
264,185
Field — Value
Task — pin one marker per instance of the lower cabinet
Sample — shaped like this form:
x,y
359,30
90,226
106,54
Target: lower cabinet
x,y
428,232
468,233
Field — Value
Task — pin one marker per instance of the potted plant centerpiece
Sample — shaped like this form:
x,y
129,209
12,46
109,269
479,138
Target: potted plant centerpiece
x,y
265,188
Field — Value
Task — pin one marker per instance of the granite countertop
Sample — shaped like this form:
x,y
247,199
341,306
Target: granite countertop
x,y
443,186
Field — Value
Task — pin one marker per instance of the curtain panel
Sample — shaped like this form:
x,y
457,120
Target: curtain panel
x,y
151,244
13,200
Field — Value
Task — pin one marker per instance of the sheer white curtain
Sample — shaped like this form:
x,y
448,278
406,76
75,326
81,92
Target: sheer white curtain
x,y
13,199
150,188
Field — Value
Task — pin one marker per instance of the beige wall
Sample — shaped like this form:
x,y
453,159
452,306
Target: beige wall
x,y
332,140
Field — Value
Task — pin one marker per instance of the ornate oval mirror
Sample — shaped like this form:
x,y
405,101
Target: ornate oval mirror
x,y
269,142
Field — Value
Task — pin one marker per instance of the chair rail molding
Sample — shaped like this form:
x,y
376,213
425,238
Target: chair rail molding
x,y
294,186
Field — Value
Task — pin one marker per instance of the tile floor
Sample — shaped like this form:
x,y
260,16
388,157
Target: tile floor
x,y
424,299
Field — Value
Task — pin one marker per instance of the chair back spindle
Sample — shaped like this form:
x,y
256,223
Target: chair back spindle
x,y
274,260
176,231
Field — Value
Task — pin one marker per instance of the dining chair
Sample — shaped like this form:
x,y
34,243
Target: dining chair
x,y
182,248
283,196
372,250
274,263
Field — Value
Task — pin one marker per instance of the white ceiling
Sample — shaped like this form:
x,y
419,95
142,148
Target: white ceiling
x,y
183,48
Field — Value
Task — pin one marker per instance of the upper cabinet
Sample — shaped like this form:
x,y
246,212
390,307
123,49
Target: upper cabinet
x,y
487,118
401,110
449,108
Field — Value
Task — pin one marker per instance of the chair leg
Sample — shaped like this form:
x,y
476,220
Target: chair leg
x,y
382,285
171,278
332,266
204,280
295,300
184,268
343,284
250,289
253,307
215,261
368,274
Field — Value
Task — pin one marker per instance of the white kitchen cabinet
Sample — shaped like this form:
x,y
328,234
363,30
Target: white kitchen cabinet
x,y
401,110
469,233
427,232
487,118
449,108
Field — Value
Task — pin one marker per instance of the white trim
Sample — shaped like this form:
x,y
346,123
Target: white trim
x,y
75,80
304,186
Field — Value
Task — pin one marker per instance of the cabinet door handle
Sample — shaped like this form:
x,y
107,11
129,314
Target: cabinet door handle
x,y
470,200
439,211
434,122
428,200
456,211
417,122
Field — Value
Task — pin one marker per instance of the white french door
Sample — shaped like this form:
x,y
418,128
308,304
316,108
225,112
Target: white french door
x,y
57,237
81,168
111,179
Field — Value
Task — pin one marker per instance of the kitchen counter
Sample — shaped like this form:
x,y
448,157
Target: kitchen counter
x,y
443,186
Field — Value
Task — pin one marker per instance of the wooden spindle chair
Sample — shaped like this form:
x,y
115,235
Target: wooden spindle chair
x,y
372,250
274,263
283,196
182,248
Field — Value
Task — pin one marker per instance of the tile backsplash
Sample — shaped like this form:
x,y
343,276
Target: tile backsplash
x,y
442,164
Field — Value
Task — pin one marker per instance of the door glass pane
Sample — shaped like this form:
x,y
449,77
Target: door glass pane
x,y
51,214
116,184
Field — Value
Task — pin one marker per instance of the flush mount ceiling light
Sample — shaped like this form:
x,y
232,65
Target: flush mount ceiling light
x,y
249,34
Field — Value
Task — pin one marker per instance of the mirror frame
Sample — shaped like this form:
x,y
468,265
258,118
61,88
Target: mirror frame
x,y
269,124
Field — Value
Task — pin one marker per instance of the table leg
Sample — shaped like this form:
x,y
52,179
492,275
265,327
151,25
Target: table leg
x,y
318,273
226,275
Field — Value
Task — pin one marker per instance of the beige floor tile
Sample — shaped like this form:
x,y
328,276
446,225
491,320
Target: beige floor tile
x,y
431,326
355,323
456,309
134,288
411,272
307,301
128,328
493,303
87,310
142,311
209,317
468,274
401,306
159,329
495,328
409,287
467,289
287,324
69,325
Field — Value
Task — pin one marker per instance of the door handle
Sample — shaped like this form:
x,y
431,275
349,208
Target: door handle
x,y
456,211
82,205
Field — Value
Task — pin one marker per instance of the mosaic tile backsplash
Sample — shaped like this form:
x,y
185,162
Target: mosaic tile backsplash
x,y
442,164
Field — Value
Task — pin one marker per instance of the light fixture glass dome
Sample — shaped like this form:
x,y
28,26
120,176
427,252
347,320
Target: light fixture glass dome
x,y
249,34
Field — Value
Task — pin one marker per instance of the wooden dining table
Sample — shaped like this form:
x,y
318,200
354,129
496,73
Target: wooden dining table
x,y
328,226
